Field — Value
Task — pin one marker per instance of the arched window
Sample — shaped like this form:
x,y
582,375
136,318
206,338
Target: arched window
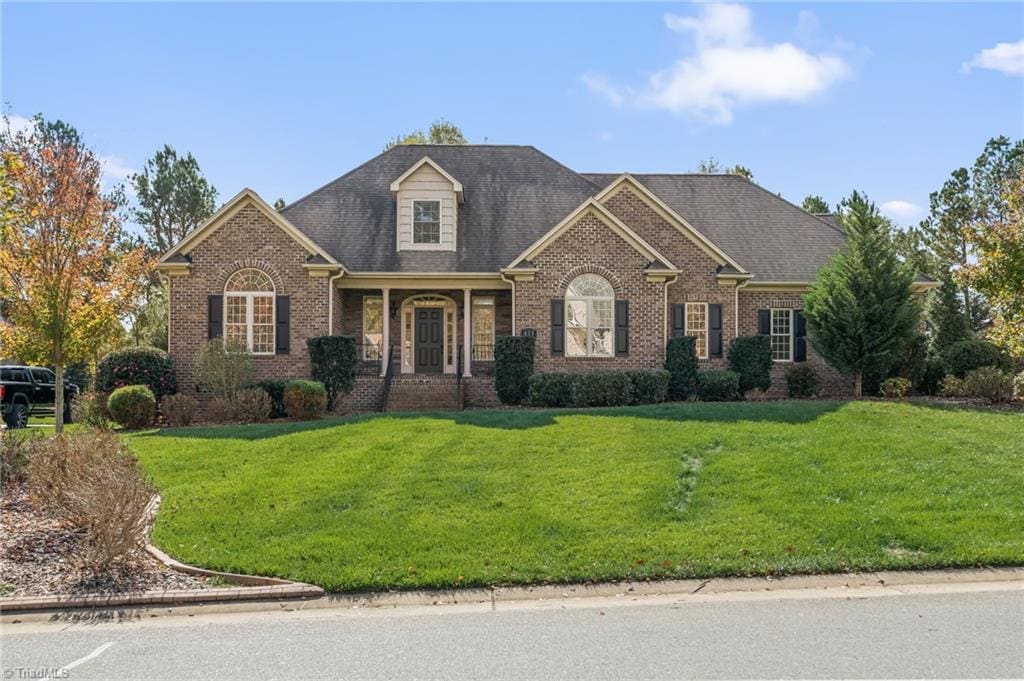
x,y
589,317
249,311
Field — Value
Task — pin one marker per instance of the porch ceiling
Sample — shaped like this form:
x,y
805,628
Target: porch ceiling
x,y
422,282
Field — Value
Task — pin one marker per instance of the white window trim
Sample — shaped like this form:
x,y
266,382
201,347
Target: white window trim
x,y
707,324
249,315
772,334
589,300
426,245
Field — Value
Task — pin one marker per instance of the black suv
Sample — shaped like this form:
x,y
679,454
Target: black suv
x,y
28,391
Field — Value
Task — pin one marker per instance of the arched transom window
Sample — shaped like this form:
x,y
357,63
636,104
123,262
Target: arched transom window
x,y
249,311
589,317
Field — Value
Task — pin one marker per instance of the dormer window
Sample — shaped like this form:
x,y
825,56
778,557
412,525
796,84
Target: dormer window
x,y
426,222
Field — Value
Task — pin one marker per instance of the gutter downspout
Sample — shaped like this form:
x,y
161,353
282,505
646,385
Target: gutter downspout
x,y
513,282
330,301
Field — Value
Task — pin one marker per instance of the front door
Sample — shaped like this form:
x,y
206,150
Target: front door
x,y
429,340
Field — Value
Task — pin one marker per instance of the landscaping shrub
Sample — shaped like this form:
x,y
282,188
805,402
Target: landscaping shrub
x,y
603,389
989,383
90,409
513,366
552,390
90,480
275,389
649,386
179,410
931,375
1018,386
253,405
333,361
132,406
220,410
223,368
951,386
751,358
896,387
14,454
966,356
681,364
137,366
718,385
802,382
305,399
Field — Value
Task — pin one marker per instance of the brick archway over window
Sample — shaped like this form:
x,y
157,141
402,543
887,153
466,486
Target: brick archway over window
x,y
227,271
590,269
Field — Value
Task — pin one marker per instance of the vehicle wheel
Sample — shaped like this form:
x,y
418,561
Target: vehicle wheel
x,y
17,417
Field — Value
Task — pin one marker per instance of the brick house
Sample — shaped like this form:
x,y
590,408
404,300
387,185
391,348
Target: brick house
x,y
426,253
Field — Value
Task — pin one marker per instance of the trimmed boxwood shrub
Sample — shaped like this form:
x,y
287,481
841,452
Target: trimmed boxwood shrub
x,y
802,382
989,383
513,366
966,356
751,358
333,361
137,366
603,389
132,406
275,389
951,386
305,399
553,390
649,386
681,364
718,385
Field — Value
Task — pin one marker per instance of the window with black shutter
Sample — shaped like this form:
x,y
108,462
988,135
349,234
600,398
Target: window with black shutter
x,y
282,325
799,336
715,329
557,327
214,317
621,328
678,321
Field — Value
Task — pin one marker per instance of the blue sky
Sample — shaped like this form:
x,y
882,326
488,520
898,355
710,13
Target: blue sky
x,y
814,98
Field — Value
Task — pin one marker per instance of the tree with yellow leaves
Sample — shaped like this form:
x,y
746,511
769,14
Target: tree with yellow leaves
x,y
65,276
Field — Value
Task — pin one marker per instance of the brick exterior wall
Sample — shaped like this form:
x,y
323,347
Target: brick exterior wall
x,y
247,239
367,395
590,245
697,282
478,392
831,383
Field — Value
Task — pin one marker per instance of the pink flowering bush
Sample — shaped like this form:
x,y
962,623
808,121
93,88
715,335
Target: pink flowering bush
x,y
137,366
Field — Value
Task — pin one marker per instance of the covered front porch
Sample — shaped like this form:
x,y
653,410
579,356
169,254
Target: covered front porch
x,y
424,329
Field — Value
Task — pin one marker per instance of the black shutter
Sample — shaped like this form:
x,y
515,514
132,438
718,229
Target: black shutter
x,y
557,326
621,328
715,330
214,317
764,322
678,321
799,336
281,328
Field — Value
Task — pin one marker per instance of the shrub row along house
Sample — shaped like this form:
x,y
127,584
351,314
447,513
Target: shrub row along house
x,y
426,253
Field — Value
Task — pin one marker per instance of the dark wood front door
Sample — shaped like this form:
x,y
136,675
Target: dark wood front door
x,y
429,340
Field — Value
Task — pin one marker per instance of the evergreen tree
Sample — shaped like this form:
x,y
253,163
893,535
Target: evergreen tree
x,y
946,319
815,204
860,309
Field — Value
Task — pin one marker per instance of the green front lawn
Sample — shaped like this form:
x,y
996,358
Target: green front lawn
x,y
551,496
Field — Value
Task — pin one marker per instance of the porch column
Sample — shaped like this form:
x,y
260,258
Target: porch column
x,y
467,333
385,340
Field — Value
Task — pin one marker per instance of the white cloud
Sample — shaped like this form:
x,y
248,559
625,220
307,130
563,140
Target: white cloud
x,y
115,169
901,210
1006,58
19,124
729,68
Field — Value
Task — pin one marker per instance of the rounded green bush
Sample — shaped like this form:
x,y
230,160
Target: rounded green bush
x,y
895,387
802,382
132,406
681,364
649,386
718,385
552,390
305,399
989,383
151,367
603,389
513,366
751,358
966,356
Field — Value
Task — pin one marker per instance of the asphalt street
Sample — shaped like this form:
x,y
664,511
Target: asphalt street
x,y
919,635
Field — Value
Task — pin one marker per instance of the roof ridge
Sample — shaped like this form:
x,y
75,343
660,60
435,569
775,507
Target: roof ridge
x,y
562,165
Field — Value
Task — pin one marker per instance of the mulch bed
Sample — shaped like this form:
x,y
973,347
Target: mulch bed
x,y
37,558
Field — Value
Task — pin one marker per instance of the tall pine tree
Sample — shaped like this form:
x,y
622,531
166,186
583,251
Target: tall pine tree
x,y
946,319
860,309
